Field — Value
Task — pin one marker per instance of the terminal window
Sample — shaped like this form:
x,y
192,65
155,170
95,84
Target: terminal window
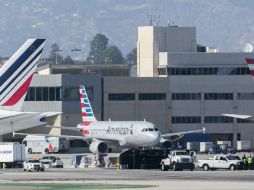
x,y
218,119
67,93
206,71
186,96
218,96
152,96
245,96
186,119
121,96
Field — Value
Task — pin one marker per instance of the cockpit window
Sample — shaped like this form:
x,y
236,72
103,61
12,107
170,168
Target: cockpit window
x,y
156,129
150,129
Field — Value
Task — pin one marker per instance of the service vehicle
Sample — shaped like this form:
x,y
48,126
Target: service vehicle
x,y
12,154
53,161
178,160
231,162
33,165
45,144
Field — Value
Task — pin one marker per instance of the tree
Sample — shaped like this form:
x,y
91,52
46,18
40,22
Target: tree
x,y
67,60
112,55
131,57
97,45
55,53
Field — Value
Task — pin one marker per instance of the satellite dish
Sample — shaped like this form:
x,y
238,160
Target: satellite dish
x,y
248,48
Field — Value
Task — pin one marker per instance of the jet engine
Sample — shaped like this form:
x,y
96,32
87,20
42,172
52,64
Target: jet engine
x,y
98,146
164,143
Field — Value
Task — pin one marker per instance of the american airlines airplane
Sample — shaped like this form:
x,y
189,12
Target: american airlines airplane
x,y
250,63
100,134
15,78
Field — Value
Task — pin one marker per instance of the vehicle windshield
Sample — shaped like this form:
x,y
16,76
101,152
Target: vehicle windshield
x,y
34,161
182,153
232,157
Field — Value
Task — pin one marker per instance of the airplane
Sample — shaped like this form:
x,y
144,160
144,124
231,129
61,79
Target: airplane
x,y
250,63
15,78
129,134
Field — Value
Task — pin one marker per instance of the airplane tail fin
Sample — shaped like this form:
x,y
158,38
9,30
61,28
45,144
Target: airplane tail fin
x,y
86,108
16,74
250,63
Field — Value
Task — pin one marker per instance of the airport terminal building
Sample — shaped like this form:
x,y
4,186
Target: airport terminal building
x,y
179,86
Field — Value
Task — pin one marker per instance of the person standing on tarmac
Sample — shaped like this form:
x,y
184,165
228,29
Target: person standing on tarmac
x,y
249,160
244,162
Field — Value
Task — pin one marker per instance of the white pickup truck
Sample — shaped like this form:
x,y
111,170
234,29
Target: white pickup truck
x,y
178,160
231,162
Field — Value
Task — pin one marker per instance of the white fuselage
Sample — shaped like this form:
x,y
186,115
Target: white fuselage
x,y
127,133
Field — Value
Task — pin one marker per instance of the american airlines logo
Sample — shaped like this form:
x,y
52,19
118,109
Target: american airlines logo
x,y
5,151
117,131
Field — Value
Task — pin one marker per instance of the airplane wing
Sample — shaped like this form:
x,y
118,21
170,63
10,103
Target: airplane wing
x,y
64,127
48,135
249,117
184,133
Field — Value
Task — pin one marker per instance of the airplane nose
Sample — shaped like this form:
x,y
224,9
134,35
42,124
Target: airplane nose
x,y
154,138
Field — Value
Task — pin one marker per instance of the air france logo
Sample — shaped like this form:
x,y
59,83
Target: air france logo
x,y
5,151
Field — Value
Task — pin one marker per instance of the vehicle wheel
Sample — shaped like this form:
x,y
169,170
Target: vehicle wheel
x,y
42,170
30,151
191,169
205,167
232,167
46,150
163,167
24,169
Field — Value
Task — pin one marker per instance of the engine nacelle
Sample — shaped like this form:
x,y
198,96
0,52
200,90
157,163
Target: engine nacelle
x,y
98,146
164,143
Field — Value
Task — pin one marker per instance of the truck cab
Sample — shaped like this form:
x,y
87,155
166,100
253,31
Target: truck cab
x,y
178,160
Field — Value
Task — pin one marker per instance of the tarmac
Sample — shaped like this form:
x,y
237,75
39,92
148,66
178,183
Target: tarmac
x,y
161,180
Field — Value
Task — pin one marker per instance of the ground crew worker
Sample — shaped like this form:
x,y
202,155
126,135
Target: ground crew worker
x,y
4,165
244,162
249,160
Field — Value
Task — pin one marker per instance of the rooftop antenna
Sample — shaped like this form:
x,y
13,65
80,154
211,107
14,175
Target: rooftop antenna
x,y
158,19
168,22
150,17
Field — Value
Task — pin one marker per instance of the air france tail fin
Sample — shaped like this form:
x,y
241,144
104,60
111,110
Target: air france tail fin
x,y
16,74
86,108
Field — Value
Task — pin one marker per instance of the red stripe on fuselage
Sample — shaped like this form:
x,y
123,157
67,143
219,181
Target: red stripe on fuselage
x,y
85,123
249,61
19,93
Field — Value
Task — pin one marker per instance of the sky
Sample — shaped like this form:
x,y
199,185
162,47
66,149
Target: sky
x,y
226,24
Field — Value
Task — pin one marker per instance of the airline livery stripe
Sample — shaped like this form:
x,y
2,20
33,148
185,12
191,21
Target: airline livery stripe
x,y
21,72
6,75
35,63
19,93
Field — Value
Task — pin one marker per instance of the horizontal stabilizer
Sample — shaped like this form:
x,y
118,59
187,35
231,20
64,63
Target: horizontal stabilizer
x,y
239,116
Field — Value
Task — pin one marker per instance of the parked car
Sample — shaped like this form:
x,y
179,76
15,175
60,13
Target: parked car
x,y
178,160
33,165
231,162
52,160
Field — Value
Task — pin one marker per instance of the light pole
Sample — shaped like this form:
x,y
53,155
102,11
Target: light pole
x,y
56,51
